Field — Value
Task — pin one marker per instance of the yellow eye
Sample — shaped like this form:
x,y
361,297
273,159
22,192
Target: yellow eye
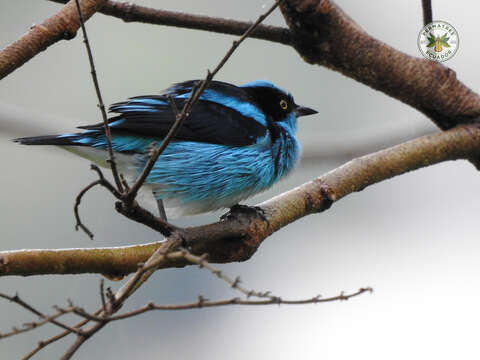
x,y
283,104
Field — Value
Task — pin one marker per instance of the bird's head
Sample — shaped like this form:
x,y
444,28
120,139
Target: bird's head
x,y
275,102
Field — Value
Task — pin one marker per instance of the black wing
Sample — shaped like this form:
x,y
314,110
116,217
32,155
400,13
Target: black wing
x,y
209,121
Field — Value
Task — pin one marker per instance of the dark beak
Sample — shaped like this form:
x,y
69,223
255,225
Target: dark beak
x,y
302,111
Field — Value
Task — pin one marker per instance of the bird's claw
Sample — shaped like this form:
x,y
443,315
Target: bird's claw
x,y
237,209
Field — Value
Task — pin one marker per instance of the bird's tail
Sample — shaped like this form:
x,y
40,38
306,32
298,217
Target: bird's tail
x,y
81,144
63,139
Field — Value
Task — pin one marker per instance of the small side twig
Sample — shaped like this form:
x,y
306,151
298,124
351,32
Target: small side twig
x,y
203,303
51,319
202,262
78,200
30,325
43,343
102,182
102,295
116,301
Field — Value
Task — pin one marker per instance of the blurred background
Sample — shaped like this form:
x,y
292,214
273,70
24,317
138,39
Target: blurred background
x,y
414,238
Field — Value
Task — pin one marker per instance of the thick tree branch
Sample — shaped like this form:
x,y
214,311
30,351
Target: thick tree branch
x,y
72,261
237,238
325,35
61,26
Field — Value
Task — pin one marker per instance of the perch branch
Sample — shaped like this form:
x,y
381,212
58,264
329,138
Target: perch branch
x,y
238,238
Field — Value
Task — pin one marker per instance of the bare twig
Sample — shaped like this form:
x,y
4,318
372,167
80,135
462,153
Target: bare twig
x,y
116,302
105,182
202,262
147,269
101,105
30,325
102,295
203,303
43,343
102,182
51,319
78,200
129,12
119,182
427,11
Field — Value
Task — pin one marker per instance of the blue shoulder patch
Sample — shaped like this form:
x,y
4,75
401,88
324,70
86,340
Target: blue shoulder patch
x,y
243,107
225,114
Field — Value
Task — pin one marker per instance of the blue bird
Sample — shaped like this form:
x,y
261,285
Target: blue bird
x,y
237,142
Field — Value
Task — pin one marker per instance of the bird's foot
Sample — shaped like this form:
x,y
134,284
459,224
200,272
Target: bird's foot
x,y
238,209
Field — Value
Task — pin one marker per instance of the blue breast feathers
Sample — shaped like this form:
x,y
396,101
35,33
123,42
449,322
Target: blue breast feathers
x,y
194,177
243,107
